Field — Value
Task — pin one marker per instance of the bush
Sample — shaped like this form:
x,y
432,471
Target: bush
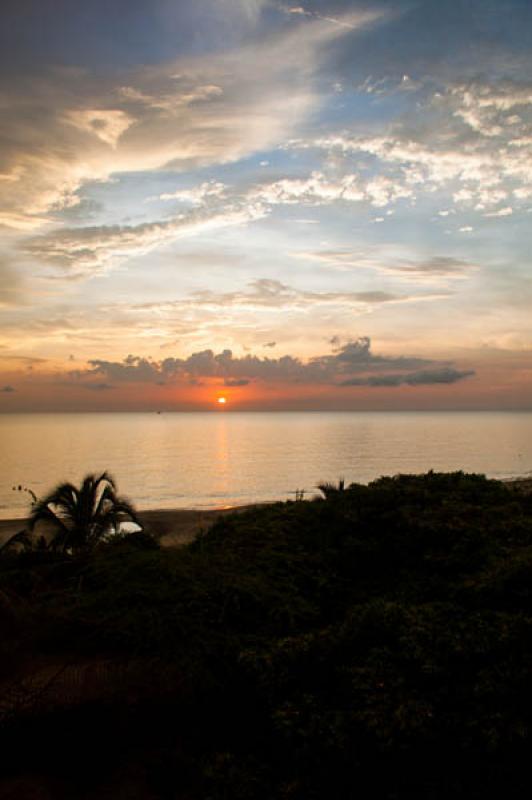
x,y
379,637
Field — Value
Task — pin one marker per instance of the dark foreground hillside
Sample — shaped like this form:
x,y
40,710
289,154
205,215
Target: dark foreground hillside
x,y
374,644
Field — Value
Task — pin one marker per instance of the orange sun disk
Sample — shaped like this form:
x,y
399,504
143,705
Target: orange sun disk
x,y
221,400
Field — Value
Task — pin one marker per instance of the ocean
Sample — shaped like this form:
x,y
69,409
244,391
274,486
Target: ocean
x,y
217,459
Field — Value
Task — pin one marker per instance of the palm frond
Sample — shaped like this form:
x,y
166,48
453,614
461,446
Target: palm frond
x,y
43,512
63,497
81,517
107,497
125,508
112,517
106,478
329,489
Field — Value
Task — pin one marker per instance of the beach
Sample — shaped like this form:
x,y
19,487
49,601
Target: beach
x,y
172,527
178,526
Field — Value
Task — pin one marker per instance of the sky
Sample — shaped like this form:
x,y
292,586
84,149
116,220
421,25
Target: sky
x,y
323,206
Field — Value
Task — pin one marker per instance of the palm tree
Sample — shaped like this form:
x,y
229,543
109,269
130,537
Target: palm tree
x,y
80,518
329,490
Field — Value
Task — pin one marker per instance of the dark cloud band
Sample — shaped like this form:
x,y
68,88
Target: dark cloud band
x,y
352,364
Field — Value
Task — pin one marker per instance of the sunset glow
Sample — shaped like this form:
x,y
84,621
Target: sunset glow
x,y
265,398
302,204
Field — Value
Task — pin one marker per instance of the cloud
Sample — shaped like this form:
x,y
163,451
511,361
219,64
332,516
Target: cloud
x,y
389,263
264,308
351,364
318,190
198,195
412,157
67,127
131,369
444,375
274,293
87,251
357,356
507,211
7,389
106,125
465,139
236,382
351,21
26,361
250,313
73,382
98,387
389,85
267,293
10,282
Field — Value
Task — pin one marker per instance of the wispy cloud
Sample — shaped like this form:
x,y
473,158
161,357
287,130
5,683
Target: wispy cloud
x,y
86,251
259,175
69,127
431,269
351,22
11,289
268,293
444,375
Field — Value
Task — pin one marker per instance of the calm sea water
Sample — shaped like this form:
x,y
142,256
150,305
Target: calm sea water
x,y
209,460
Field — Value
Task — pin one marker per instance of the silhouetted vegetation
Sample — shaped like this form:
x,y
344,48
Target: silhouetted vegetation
x,y
374,643
329,489
75,520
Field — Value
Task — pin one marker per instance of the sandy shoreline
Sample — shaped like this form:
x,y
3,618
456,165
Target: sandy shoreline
x,y
171,526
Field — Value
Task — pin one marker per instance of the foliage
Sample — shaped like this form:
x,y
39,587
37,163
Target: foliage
x,y
21,539
329,489
80,518
375,642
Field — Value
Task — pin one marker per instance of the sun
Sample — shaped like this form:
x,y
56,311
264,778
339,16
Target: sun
x,y
222,400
